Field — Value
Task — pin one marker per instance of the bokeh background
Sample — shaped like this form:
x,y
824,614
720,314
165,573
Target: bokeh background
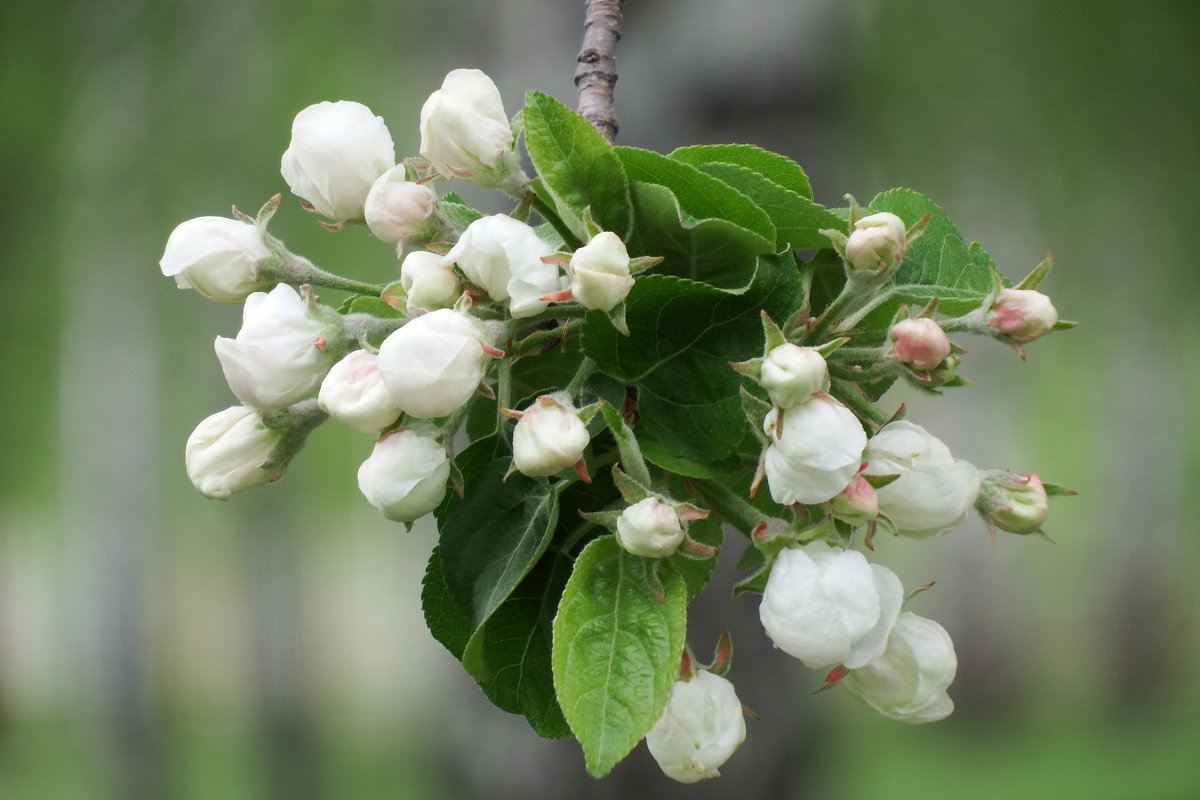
x,y
156,645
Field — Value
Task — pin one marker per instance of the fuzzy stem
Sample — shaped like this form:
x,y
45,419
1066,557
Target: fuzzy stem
x,y
597,71
732,507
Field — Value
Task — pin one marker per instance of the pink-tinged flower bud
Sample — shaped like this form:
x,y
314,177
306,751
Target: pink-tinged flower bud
x,y
548,438
700,728
921,343
792,374
354,394
1022,315
464,130
827,606
600,277
908,681
1014,503
877,243
230,451
397,209
338,150
816,449
428,281
216,256
433,364
279,356
503,256
405,475
650,528
857,503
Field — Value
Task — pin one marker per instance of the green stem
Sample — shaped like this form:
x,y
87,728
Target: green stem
x,y
298,270
733,508
586,367
550,215
853,397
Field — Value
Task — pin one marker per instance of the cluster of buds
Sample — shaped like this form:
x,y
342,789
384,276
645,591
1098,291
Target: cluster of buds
x,y
412,363
407,378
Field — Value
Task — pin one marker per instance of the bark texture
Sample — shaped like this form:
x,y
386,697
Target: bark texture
x,y
596,73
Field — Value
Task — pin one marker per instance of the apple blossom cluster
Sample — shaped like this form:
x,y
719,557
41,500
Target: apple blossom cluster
x,y
587,391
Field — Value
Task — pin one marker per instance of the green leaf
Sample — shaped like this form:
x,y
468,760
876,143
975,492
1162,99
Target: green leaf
x,y
715,250
627,445
616,650
798,220
493,537
683,336
700,196
939,264
515,646
577,166
456,211
658,455
774,167
446,621
376,306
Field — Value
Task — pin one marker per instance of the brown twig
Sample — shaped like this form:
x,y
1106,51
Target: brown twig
x,y
597,71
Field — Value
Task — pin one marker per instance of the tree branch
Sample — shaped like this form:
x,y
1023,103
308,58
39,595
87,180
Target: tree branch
x,y
597,71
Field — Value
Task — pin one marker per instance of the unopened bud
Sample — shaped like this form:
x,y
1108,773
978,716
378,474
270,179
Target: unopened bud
x,y
877,242
548,438
857,503
792,374
428,281
398,209
1014,503
921,343
1022,315
599,270
650,528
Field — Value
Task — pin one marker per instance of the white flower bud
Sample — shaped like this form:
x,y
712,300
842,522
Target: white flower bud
x,y
877,242
464,130
354,394
650,528
921,343
433,364
216,256
827,606
227,453
908,681
857,503
700,728
405,475
548,437
428,281
338,149
934,492
503,256
816,449
397,209
278,357
599,271
792,374
1023,315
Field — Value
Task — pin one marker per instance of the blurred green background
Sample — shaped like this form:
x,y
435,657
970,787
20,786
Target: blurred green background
x,y
157,645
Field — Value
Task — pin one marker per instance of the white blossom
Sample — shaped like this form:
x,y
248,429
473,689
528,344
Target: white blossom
x,y
877,242
828,606
397,209
433,364
216,256
464,130
599,270
934,492
354,394
503,256
548,437
338,150
815,451
229,451
405,475
700,728
908,681
428,281
650,528
792,374
279,356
